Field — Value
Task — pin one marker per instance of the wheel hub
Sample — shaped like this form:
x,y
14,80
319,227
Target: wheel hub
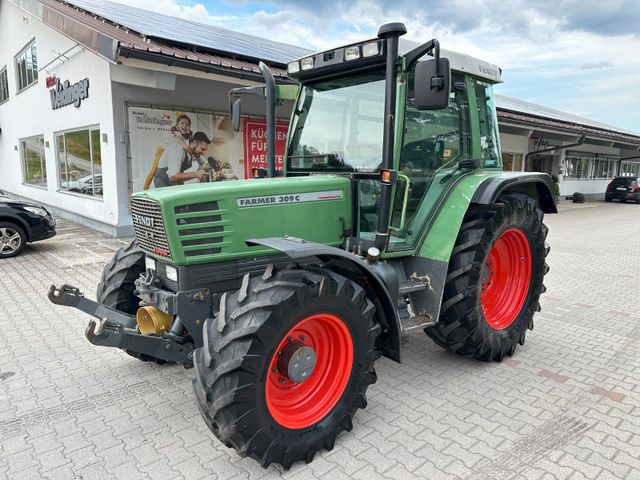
x,y
297,361
309,371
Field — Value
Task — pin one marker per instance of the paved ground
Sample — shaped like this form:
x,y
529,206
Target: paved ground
x,y
566,406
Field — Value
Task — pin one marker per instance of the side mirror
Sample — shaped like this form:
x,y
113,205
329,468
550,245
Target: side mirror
x,y
432,84
235,114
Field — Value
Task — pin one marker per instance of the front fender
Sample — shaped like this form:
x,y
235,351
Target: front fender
x,y
379,278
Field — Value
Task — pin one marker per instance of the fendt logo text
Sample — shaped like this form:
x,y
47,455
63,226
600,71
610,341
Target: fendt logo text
x,y
143,220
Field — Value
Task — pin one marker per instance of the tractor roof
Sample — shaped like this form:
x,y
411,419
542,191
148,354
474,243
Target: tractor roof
x,y
460,62
318,64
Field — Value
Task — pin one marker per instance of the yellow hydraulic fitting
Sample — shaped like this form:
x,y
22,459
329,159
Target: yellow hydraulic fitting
x,y
151,319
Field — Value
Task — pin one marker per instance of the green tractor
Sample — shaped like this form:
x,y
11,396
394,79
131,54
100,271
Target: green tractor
x,y
393,213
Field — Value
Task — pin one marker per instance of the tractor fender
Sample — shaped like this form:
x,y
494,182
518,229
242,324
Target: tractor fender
x,y
534,184
378,278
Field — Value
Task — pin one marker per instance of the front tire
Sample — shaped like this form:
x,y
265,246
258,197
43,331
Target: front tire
x,y
495,279
117,286
247,395
13,239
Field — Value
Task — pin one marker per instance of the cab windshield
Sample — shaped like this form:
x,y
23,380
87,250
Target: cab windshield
x,y
338,125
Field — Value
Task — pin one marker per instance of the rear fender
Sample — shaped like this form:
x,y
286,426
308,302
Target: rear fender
x,y
533,184
379,278
480,188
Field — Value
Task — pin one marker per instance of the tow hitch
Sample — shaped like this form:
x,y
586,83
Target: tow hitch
x,y
117,329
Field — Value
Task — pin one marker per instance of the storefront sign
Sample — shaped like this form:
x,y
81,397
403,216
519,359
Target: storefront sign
x,y
51,80
255,145
64,94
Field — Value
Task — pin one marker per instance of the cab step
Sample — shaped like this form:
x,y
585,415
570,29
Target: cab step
x,y
410,285
418,321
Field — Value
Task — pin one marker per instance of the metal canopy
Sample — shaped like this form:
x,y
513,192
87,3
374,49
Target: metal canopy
x,y
174,29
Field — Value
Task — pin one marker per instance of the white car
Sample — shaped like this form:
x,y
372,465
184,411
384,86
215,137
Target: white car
x,y
82,183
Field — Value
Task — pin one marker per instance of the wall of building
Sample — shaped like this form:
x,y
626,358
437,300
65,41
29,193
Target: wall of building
x,y
514,143
30,113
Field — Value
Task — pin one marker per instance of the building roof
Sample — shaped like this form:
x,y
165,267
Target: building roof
x,y
515,111
106,36
156,25
516,105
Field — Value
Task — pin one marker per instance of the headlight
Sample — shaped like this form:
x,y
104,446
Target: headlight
x,y
370,49
293,67
149,263
172,273
306,63
37,211
351,53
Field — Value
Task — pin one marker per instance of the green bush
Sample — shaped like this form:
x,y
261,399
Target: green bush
x,y
578,197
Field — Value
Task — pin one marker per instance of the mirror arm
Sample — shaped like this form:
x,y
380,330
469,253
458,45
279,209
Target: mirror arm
x,y
431,47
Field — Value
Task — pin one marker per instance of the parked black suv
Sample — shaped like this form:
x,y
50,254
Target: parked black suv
x,y
22,222
623,189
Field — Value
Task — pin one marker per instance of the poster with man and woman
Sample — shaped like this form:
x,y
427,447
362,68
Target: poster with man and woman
x,y
171,147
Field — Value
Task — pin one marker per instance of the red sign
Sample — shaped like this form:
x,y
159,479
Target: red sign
x,y
51,81
255,145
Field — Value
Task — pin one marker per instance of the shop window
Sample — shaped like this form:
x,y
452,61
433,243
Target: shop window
x,y
578,165
4,85
79,162
512,162
604,167
630,169
34,165
489,144
27,67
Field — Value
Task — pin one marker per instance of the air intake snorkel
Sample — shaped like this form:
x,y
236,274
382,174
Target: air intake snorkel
x,y
390,33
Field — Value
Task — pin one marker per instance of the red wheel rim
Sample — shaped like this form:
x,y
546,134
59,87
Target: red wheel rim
x,y
506,279
300,405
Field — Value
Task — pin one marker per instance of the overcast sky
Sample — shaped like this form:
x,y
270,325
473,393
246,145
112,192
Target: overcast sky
x,y
580,56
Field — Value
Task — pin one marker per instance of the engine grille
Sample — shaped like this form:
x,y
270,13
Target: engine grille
x,y
149,227
199,229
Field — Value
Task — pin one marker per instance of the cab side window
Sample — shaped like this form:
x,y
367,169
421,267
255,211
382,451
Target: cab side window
x,y
489,143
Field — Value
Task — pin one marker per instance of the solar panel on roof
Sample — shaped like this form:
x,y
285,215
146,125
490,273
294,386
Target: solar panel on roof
x,y
175,29
521,106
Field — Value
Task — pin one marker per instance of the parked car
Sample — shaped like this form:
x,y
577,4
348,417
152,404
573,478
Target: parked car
x,y
82,183
22,222
623,189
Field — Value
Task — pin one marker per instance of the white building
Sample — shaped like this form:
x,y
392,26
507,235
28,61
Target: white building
x,y
588,154
90,91
85,102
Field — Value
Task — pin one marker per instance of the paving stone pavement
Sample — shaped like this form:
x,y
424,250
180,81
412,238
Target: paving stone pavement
x,y
566,406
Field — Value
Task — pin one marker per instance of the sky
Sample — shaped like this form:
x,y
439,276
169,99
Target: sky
x,y
578,56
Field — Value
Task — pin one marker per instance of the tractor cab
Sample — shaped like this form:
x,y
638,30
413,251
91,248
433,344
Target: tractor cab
x,y
403,121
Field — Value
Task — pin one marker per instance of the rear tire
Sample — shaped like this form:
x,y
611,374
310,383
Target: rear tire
x,y
117,286
13,239
241,391
607,198
495,279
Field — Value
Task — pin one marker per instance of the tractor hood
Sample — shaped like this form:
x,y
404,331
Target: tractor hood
x,y
209,222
